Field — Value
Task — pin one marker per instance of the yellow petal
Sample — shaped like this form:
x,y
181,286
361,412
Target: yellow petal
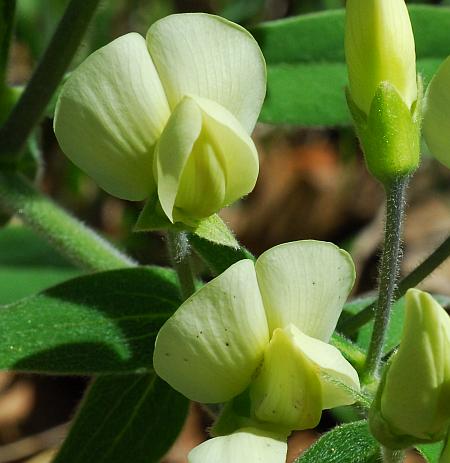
x,y
210,348
379,46
210,57
248,445
204,161
110,114
305,283
287,389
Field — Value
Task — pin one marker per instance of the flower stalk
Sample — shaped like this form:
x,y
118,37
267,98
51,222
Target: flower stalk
x,y
70,237
392,456
179,252
388,273
46,78
7,10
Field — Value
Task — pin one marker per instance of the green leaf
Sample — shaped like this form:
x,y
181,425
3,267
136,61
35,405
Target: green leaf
x,y
307,74
349,443
431,452
216,256
125,418
28,265
101,323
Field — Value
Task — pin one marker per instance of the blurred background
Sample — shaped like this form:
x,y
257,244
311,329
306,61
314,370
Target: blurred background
x,y
313,184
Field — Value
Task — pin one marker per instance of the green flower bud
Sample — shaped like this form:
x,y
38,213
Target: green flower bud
x,y
412,403
379,46
436,118
384,95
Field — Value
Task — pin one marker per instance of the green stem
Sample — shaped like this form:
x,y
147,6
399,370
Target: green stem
x,y
392,456
428,266
7,11
46,78
73,239
388,273
179,251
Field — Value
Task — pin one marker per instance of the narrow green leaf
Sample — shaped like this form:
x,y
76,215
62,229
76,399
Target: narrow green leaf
x,y
349,443
125,418
307,74
101,323
431,452
217,256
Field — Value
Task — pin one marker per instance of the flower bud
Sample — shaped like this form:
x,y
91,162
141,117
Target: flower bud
x,y
384,94
379,47
412,403
436,120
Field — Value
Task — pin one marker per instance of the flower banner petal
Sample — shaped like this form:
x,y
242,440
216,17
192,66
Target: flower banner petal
x,y
305,283
248,445
109,115
210,57
210,348
436,122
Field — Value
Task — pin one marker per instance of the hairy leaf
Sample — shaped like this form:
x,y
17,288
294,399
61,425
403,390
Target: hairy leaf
x,y
349,443
101,323
218,257
307,74
28,265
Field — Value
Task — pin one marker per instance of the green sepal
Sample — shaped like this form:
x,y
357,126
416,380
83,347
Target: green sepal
x,y
152,217
213,228
390,133
386,434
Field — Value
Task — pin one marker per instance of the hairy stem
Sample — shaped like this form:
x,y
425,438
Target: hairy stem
x,y
80,244
428,266
7,10
392,456
388,273
179,252
46,78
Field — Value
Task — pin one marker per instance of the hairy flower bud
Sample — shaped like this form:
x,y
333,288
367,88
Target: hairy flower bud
x,y
412,403
384,94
